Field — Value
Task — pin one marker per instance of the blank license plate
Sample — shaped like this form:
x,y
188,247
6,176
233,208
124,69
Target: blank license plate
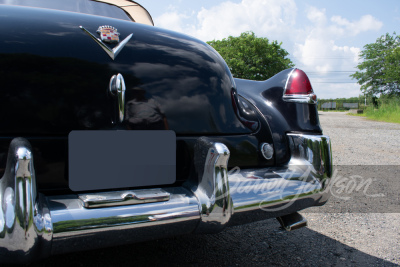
x,y
101,160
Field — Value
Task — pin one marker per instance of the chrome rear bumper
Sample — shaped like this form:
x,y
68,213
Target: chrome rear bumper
x,y
33,226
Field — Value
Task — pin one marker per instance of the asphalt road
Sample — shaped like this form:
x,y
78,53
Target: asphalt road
x,y
359,226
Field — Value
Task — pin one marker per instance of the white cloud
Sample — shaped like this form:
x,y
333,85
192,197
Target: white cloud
x,y
264,17
365,23
351,52
172,20
328,63
323,55
335,90
316,15
314,46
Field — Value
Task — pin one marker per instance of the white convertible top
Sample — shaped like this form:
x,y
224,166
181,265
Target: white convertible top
x,y
122,9
134,10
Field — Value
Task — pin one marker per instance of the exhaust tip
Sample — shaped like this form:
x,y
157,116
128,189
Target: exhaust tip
x,y
292,221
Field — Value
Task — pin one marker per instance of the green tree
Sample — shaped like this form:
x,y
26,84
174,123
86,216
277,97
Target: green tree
x,y
251,57
379,71
392,65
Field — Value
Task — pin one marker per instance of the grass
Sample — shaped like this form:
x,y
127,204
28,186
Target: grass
x,y
333,110
388,111
357,115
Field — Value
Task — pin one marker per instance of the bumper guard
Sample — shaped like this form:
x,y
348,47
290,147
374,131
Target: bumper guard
x,y
34,226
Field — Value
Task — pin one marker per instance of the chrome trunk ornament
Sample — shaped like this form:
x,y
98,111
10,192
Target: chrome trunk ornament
x,y
111,35
117,88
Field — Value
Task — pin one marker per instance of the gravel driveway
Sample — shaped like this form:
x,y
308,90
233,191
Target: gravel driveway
x,y
354,228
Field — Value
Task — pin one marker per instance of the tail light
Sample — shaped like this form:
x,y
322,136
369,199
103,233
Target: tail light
x,y
298,88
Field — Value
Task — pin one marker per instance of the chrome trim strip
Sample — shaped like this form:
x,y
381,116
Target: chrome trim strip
x,y
300,98
78,228
25,223
123,198
113,53
287,79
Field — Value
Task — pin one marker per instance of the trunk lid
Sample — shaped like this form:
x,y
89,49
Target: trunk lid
x,y
56,78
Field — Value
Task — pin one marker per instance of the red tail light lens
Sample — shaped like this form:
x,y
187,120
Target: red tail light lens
x,y
298,84
299,89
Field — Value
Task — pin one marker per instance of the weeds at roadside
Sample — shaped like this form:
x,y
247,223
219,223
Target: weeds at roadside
x,y
388,110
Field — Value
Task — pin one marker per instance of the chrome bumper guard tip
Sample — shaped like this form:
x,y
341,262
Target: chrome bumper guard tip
x,y
210,185
25,223
33,226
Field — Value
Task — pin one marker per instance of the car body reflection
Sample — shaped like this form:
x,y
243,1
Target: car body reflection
x,y
144,113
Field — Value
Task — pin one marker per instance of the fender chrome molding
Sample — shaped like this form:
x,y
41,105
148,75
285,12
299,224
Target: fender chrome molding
x,y
113,53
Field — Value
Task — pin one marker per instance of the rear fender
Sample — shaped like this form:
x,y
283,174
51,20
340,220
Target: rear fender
x,y
282,116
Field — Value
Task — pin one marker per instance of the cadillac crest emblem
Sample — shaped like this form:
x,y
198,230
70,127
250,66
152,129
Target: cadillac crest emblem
x,y
108,34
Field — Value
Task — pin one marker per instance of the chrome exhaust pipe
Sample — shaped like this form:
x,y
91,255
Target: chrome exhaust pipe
x,y
292,221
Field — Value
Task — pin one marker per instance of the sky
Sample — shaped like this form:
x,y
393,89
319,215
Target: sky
x,y
323,38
